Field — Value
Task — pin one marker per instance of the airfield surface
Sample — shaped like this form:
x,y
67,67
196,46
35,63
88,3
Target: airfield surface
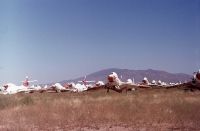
x,y
141,110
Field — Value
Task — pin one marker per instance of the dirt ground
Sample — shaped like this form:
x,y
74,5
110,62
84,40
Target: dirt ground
x,y
140,110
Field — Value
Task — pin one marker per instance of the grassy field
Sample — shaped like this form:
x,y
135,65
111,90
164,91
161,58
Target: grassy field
x,y
147,109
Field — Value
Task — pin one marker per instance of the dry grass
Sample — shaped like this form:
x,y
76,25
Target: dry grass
x,y
156,109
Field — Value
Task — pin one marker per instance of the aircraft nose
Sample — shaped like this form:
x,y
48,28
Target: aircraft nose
x,y
110,79
198,76
5,86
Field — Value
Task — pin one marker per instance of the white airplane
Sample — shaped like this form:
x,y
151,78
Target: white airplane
x,y
191,85
113,80
36,88
59,88
76,87
84,82
196,79
129,81
10,88
84,86
99,83
146,84
69,87
153,82
196,76
79,87
145,81
13,89
116,84
161,83
27,82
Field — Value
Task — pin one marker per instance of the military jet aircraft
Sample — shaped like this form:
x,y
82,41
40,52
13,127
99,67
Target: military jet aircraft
x,y
114,83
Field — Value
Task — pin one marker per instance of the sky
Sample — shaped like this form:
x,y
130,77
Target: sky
x,y
54,40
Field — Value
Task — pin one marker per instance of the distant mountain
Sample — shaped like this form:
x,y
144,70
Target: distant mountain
x,y
138,75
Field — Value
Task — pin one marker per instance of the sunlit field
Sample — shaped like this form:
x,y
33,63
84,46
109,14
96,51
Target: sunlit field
x,y
145,109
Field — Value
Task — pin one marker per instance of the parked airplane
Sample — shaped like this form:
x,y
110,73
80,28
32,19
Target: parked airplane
x,y
191,85
76,87
196,79
85,82
85,86
116,84
27,82
59,88
98,85
196,76
13,89
79,87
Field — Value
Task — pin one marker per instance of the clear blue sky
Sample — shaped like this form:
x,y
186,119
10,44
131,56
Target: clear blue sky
x,y
53,40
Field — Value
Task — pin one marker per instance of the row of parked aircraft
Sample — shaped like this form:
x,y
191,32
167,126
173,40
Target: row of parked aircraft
x,y
81,86
113,83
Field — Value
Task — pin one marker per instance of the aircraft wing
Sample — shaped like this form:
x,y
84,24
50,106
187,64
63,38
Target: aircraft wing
x,y
129,86
90,81
63,90
96,88
32,81
186,86
25,90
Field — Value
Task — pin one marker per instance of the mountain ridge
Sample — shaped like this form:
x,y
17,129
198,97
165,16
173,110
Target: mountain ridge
x,y
137,75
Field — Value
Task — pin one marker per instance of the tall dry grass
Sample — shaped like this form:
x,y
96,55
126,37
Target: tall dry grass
x,y
156,109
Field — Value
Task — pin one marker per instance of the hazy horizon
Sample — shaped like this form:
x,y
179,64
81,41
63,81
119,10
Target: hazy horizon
x,y
53,40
